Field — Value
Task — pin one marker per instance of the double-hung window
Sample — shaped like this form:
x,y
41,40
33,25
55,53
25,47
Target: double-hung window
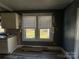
x,y
36,28
29,27
44,25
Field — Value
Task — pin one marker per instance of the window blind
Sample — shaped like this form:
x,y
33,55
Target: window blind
x,y
29,22
44,22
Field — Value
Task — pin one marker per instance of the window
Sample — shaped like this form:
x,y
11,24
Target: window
x,y
44,34
30,33
29,26
1,29
44,25
36,28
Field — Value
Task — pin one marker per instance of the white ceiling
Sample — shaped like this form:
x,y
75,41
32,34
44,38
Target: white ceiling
x,y
35,4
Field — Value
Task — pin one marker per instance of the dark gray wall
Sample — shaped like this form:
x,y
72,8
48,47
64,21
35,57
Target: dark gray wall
x,y
59,19
70,27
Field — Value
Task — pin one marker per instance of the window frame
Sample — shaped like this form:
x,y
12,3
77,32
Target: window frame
x,y
50,29
37,30
23,31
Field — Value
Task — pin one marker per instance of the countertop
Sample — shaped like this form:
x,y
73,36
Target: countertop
x,y
3,37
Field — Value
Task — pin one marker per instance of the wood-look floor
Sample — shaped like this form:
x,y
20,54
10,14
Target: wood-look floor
x,y
19,54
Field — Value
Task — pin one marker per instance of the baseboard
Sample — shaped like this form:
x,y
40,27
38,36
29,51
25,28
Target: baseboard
x,y
55,47
18,46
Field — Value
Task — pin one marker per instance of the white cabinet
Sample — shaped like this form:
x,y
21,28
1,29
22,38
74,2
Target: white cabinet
x,y
10,20
7,46
12,44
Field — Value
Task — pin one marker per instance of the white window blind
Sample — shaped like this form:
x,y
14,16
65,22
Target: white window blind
x,y
29,22
44,21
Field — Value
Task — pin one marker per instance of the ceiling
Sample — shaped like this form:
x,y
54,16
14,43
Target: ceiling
x,y
1,9
12,5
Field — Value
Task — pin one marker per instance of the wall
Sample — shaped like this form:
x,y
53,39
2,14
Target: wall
x,y
58,36
70,28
